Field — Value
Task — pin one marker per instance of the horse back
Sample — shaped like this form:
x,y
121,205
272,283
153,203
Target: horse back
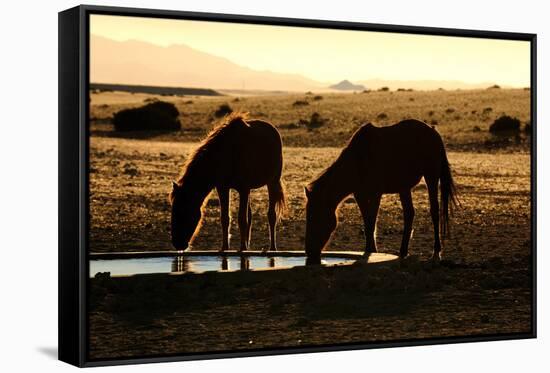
x,y
256,155
395,158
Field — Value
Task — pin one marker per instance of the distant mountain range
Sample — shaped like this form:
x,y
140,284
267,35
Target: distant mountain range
x,y
140,63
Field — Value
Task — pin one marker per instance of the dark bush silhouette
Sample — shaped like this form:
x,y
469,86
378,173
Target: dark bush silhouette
x,y
487,110
401,90
155,116
496,86
431,113
300,103
317,98
223,110
450,110
382,116
316,121
383,89
505,124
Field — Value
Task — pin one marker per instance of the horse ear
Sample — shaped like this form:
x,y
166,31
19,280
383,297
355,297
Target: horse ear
x,y
174,185
307,192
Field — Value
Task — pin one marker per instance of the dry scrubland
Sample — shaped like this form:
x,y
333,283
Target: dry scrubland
x,y
483,288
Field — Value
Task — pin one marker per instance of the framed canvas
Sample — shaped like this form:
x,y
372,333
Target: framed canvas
x,y
239,186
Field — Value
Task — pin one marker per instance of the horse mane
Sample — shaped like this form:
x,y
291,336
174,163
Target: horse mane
x,y
355,141
214,138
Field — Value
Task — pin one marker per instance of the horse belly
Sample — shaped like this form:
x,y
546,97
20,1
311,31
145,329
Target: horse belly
x,y
394,177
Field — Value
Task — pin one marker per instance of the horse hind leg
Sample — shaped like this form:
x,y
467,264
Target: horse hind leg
x,y
408,218
272,219
243,218
223,196
434,212
249,225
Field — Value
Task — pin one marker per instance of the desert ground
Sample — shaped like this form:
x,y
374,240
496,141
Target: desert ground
x,y
483,286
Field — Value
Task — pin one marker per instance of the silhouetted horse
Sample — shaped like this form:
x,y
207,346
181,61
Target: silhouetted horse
x,y
239,154
376,161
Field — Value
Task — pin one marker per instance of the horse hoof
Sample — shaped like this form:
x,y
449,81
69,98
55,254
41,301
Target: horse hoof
x,y
436,258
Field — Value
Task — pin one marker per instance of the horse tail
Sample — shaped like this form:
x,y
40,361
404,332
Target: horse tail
x,y
449,196
279,197
277,191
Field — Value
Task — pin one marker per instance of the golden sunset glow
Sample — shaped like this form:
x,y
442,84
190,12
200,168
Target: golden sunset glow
x,y
329,56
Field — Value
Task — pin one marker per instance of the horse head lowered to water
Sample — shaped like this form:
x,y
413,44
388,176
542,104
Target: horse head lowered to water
x,y
377,161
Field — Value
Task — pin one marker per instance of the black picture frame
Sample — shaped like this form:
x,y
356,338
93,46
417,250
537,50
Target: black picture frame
x,y
73,176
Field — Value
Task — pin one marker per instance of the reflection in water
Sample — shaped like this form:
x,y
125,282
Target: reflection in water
x,y
245,263
181,264
197,263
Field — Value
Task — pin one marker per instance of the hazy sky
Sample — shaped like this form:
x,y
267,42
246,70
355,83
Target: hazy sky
x,y
333,55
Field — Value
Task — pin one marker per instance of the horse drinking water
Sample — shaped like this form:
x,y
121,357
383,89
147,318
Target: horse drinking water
x,y
239,154
377,161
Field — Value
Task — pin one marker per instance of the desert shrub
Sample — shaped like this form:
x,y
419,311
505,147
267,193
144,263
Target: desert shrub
x,y
366,91
236,99
476,129
316,121
487,110
411,98
401,90
383,89
289,126
150,99
450,110
308,93
431,113
496,86
155,116
317,98
434,122
223,110
188,102
410,90
300,103
457,117
382,116
505,124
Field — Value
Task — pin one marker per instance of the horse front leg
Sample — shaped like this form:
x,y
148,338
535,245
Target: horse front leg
x,y
243,218
223,196
408,217
369,210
